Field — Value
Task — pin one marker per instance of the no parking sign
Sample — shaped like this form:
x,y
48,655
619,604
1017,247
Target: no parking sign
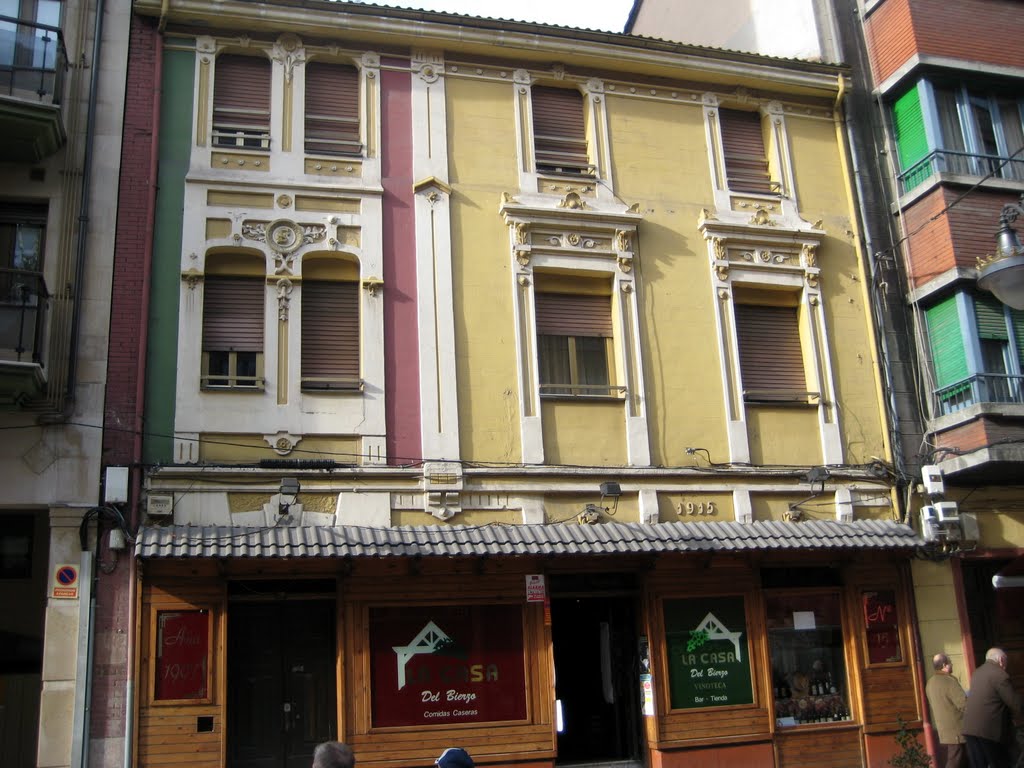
x,y
65,582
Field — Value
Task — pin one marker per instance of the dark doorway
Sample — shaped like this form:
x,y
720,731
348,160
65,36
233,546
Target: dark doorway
x,y
281,682
994,614
597,676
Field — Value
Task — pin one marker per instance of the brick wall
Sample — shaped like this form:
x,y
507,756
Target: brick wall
x,y
979,433
955,238
126,320
111,665
988,31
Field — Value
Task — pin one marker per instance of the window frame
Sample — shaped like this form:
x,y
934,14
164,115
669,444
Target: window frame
x,y
755,300
248,135
232,381
329,384
357,147
578,329
565,161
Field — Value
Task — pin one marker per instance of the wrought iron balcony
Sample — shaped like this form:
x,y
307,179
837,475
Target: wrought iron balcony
x,y
23,304
961,164
980,388
33,62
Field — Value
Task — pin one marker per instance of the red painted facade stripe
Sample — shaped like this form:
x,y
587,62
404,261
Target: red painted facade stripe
x,y
401,340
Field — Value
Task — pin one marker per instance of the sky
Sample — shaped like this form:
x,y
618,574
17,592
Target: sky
x,y
606,15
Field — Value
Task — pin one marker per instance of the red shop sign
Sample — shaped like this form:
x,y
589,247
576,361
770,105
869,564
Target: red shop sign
x,y
182,654
882,627
447,664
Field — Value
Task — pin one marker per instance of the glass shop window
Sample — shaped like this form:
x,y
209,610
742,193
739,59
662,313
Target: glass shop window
x,y
805,640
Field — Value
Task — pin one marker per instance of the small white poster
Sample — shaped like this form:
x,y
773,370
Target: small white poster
x,y
535,588
803,620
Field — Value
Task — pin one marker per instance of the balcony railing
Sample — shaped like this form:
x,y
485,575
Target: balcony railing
x,y
980,388
23,297
33,58
961,164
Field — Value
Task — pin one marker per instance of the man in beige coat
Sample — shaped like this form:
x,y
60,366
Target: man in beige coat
x,y
946,699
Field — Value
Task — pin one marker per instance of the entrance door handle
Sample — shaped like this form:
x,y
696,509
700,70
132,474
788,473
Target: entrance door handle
x,y
287,714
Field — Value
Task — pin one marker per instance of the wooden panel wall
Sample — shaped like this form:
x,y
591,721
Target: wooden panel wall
x,y
445,582
168,733
814,748
714,725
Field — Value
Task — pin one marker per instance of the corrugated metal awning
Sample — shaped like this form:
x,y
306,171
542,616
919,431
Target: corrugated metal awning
x,y
610,538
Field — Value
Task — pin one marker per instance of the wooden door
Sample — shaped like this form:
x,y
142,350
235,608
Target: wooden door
x,y
281,682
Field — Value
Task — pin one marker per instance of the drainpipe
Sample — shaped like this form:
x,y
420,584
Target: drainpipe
x,y
140,396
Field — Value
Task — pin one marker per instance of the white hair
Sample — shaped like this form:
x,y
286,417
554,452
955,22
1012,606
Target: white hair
x,y
998,655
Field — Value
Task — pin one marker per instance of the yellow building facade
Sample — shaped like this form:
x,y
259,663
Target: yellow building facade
x,y
598,471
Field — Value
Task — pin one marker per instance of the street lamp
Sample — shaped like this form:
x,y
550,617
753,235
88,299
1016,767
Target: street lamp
x,y
1002,273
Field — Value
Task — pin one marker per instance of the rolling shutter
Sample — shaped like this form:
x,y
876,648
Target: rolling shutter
x,y
572,314
330,330
947,343
332,109
241,95
988,312
911,139
233,314
771,358
746,165
1017,321
559,134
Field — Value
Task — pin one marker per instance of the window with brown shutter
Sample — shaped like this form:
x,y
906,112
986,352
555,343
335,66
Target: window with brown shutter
x,y
574,343
233,332
746,164
771,358
332,109
330,335
559,133
241,102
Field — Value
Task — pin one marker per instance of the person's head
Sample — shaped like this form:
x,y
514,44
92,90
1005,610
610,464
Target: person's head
x,y
942,663
454,757
996,656
333,754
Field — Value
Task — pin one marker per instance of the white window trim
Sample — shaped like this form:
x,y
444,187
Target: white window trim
x,y
600,186
282,400
737,206
439,412
572,237
286,155
776,258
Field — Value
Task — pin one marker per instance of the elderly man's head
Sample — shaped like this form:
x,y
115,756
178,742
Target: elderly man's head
x,y
940,661
333,754
996,655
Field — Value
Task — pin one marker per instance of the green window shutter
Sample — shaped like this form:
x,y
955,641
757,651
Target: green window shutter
x,y
911,139
1017,321
947,343
991,321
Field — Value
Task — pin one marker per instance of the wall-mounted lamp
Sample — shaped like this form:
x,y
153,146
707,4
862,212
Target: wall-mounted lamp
x,y
289,494
592,512
1002,272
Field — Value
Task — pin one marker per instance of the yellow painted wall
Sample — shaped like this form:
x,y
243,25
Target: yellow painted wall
x,y
584,432
241,448
482,162
937,619
780,435
773,506
999,511
677,507
659,161
563,508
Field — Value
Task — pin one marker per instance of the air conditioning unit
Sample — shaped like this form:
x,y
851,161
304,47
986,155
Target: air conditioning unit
x,y
946,512
931,478
929,524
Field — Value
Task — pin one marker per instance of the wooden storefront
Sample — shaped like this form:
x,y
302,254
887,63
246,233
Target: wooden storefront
x,y
665,661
